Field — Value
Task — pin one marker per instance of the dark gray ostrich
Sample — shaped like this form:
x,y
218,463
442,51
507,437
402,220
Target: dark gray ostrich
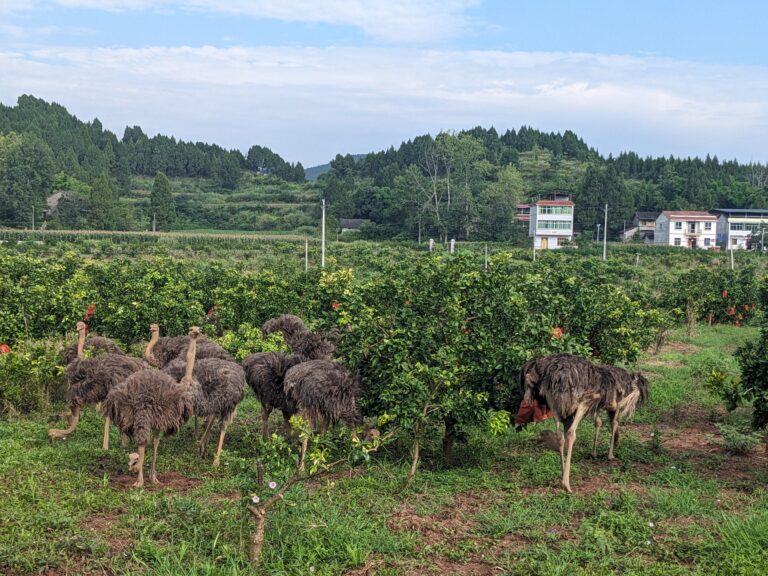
x,y
161,351
94,343
298,337
265,372
90,380
325,393
571,387
220,387
150,403
621,393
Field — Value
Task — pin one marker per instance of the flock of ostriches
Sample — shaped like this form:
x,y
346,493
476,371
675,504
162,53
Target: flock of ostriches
x,y
185,376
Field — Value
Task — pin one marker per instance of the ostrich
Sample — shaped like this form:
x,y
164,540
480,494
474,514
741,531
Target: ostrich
x,y
220,386
90,380
151,401
622,392
96,344
264,372
161,351
571,387
325,393
298,337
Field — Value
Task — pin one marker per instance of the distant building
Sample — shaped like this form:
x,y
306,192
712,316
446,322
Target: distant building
x,y
687,229
551,221
737,226
348,224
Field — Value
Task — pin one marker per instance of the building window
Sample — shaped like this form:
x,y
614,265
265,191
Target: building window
x,y
553,224
707,225
691,227
678,225
706,241
734,241
677,242
555,209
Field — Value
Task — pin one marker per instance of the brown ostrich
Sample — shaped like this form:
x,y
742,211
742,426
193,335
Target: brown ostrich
x,y
219,388
95,344
90,380
325,393
161,351
571,387
621,393
150,403
301,341
265,372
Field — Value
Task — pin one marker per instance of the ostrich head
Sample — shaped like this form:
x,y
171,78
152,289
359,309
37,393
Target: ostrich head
x,y
81,327
194,332
133,462
154,329
149,356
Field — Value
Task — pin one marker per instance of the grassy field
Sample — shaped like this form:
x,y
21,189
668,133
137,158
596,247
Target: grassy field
x,y
675,502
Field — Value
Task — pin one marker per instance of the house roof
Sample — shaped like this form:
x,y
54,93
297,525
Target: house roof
x,y
353,222
646,215
523,206
743,212
554,203
688,215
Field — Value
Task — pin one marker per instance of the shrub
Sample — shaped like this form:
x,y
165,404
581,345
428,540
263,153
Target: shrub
x,y
30,377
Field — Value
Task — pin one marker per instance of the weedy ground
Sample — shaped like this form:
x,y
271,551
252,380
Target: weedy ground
x,y
675,502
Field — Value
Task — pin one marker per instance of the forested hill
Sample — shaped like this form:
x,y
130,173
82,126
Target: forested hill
x,y
466,184
455,184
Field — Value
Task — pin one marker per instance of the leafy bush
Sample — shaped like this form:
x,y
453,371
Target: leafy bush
x,y
30,377
738,442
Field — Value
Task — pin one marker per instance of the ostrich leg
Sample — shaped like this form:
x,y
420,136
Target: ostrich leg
x,y
614,433
140,480
570,425
224,424
264,423
206,431
105,443
598,424
304,446
72,419
153,471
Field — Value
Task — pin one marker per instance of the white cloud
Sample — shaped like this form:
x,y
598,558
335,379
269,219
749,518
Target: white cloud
x,y
386,20
310,103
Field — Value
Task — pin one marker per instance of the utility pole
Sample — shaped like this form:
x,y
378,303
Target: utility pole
x,y
33,216
306,255
605,232
485,267
154,222
322,239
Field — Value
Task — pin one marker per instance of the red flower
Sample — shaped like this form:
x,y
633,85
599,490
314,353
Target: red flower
x,y
4,348
732,310
725,293
335,305
557,333
741,317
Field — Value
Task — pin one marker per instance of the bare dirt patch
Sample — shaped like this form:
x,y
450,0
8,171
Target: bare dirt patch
x,y
678,348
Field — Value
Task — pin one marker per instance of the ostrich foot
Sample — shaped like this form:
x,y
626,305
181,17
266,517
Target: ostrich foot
x,y
153,479
139,483
567,487
216,462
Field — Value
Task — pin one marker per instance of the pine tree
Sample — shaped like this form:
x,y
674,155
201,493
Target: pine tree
x,y
103,213
163,206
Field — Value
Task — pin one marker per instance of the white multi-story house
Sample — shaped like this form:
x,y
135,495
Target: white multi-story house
x,y
687,229
737,226
551,222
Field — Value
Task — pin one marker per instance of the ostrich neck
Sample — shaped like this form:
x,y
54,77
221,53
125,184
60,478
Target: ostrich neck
x,y
149,355
81,344
191,351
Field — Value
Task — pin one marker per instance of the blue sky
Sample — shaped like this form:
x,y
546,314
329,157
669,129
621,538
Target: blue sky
x,y
313,78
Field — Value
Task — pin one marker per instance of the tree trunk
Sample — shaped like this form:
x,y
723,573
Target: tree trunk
x,y
257,538
690,318
449,439
414,459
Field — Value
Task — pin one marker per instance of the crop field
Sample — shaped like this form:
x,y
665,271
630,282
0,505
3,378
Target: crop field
x,y
437,342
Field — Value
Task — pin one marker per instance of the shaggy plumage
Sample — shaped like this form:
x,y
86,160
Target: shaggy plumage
x,y
208,349
218,387
299,338
151,401
571,388
325,392
95,344
91,379
146,402
265,373
531,373
621,393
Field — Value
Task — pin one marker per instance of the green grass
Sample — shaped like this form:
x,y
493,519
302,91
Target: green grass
x,y
674,503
